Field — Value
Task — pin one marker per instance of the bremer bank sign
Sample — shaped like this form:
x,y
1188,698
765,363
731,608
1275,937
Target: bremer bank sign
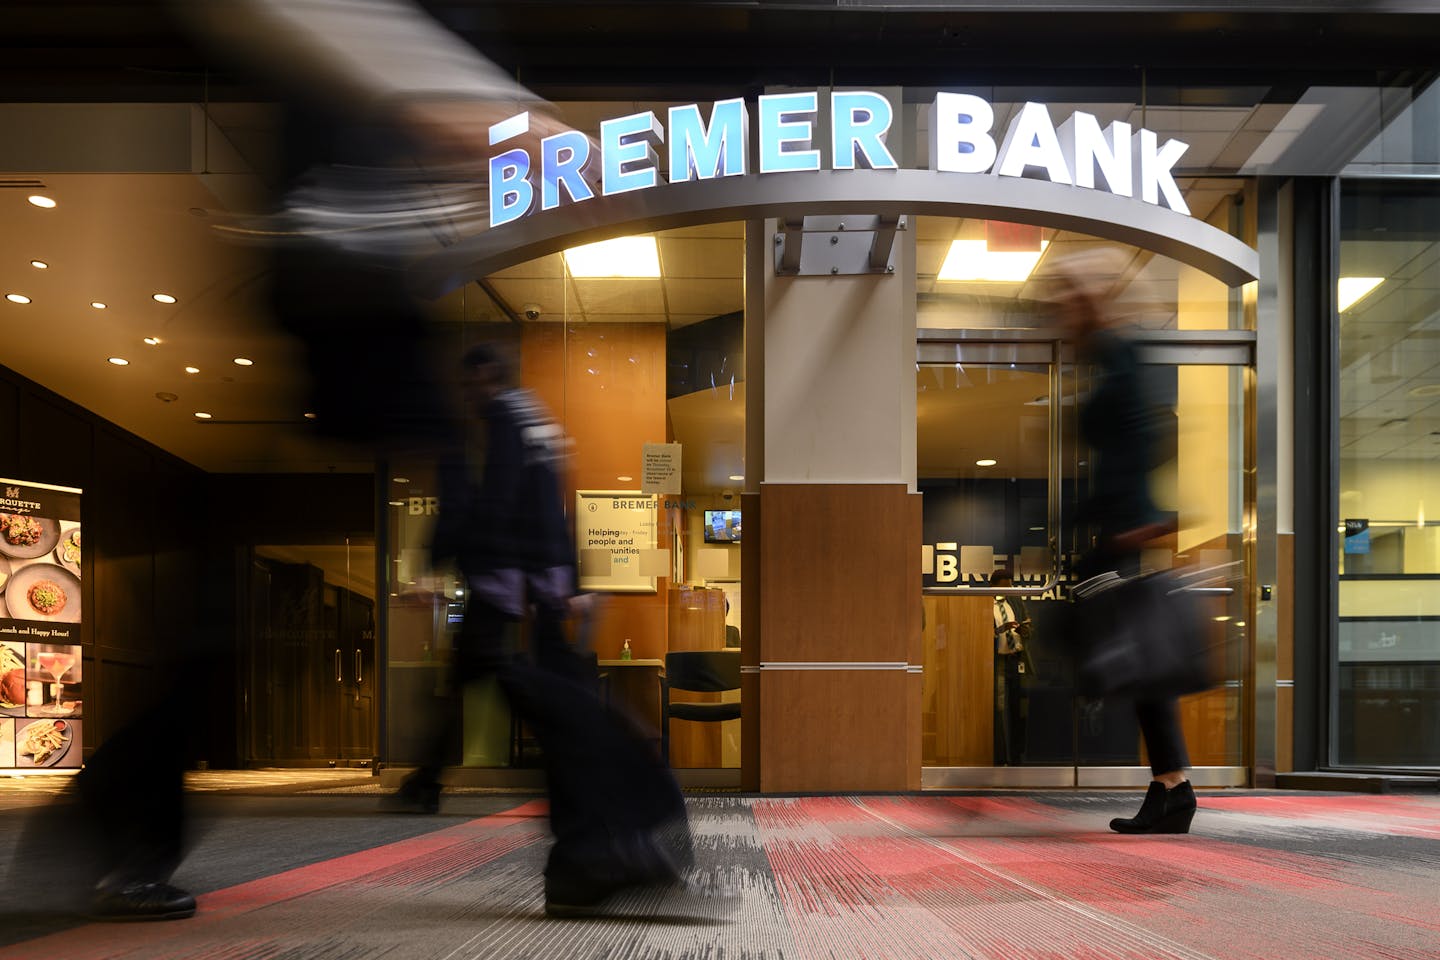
x,y
1078,152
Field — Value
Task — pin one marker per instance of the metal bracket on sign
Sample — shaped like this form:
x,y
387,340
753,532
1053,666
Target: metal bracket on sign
x,y
836,246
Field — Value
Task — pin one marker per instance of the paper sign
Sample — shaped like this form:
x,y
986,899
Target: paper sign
x,y
660,468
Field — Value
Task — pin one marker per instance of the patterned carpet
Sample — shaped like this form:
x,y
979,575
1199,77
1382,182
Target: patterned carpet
x,y
991,876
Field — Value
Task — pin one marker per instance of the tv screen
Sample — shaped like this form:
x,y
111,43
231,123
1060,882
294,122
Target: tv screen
x,y
722,526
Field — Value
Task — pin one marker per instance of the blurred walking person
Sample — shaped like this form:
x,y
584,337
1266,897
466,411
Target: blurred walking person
x,y
1118,420
616,811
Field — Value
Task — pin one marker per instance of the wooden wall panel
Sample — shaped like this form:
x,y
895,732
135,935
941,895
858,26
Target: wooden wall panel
x,y
610,414
958,700
1284,729
836,563
1285,654
750,642
839,730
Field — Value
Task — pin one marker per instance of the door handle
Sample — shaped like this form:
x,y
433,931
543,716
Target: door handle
x,y
339,678
359,662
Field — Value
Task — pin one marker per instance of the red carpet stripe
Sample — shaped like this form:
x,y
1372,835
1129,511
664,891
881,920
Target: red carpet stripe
x,y
481,840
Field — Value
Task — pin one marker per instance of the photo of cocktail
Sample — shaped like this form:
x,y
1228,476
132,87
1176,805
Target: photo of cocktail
x,y
58,667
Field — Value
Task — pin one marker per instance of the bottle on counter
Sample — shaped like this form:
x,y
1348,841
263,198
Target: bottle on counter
x,y
625,650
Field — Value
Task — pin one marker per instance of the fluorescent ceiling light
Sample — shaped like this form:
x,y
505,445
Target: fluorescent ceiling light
x,y
971,260
621,257
1351,290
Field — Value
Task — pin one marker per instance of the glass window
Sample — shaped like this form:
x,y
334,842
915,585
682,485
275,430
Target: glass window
x,y
633,345
1388,657
1003,475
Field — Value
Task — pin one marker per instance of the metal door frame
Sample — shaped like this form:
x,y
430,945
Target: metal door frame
x,y
1235,348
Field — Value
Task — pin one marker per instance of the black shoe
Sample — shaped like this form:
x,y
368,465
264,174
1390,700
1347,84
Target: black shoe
x,y
141,900
578,894
413,798
1164,811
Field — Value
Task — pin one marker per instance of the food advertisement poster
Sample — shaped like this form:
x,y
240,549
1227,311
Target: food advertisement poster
x,y
612,529
41,683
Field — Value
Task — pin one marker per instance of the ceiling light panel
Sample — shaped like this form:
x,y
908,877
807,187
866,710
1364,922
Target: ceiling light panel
x,y
1351,290
969,260
621,257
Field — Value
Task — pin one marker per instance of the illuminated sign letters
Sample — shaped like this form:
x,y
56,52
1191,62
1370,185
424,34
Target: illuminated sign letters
x,y
1079,153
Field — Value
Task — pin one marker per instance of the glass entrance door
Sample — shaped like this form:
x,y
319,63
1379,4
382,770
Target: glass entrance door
x,y
1003,475
310,679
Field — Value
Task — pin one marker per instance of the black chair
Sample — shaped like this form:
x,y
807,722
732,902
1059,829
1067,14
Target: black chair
x,y
698,671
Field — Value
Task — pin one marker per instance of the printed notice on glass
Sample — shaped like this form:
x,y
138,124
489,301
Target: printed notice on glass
x,y
613,528
660,468
41,689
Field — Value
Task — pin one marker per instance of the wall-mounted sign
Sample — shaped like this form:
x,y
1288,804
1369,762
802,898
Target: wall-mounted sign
x,y
41,693
660,468
615,538
1078,152
1357,537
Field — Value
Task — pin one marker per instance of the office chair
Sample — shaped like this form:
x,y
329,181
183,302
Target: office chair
x,y
698,671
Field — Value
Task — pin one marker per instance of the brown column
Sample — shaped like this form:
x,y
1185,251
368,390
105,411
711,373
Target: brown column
x,y
839,625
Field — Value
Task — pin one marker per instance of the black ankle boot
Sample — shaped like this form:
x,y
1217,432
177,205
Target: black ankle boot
x,y
1164,811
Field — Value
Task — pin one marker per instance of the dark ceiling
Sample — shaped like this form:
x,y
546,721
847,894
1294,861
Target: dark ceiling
x,y
133,50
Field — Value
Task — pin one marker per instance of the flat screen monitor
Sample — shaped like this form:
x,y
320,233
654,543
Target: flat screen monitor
x,y
722,526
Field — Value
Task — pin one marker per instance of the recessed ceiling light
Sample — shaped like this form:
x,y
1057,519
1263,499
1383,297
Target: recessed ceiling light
x,y
162,297
397,503
192,369
309,416
17,298
973,260
624,479
401,479
737,477
244,362
621,257
985,463
153,341
118,361
1351,290
202,415
39,264
97,304
41,201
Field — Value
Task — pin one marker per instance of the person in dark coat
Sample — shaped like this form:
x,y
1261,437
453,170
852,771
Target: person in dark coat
x,y
615,809
1119,422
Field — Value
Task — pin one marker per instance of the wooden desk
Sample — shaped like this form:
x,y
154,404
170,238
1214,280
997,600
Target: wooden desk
x,y
634,687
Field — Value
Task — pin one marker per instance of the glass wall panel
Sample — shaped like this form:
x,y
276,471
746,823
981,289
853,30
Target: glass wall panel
x,y
1002,494
1387,664
636,348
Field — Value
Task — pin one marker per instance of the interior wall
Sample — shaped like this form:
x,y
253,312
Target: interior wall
x,y
605,384
145,588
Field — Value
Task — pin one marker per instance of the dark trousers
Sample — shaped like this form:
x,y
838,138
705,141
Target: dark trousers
x,y
1009,709
1159,718
608,787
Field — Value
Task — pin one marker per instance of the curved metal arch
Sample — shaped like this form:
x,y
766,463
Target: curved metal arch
x,y
884,192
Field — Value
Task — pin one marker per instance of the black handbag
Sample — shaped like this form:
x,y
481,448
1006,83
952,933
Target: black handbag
x,y
1146,637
